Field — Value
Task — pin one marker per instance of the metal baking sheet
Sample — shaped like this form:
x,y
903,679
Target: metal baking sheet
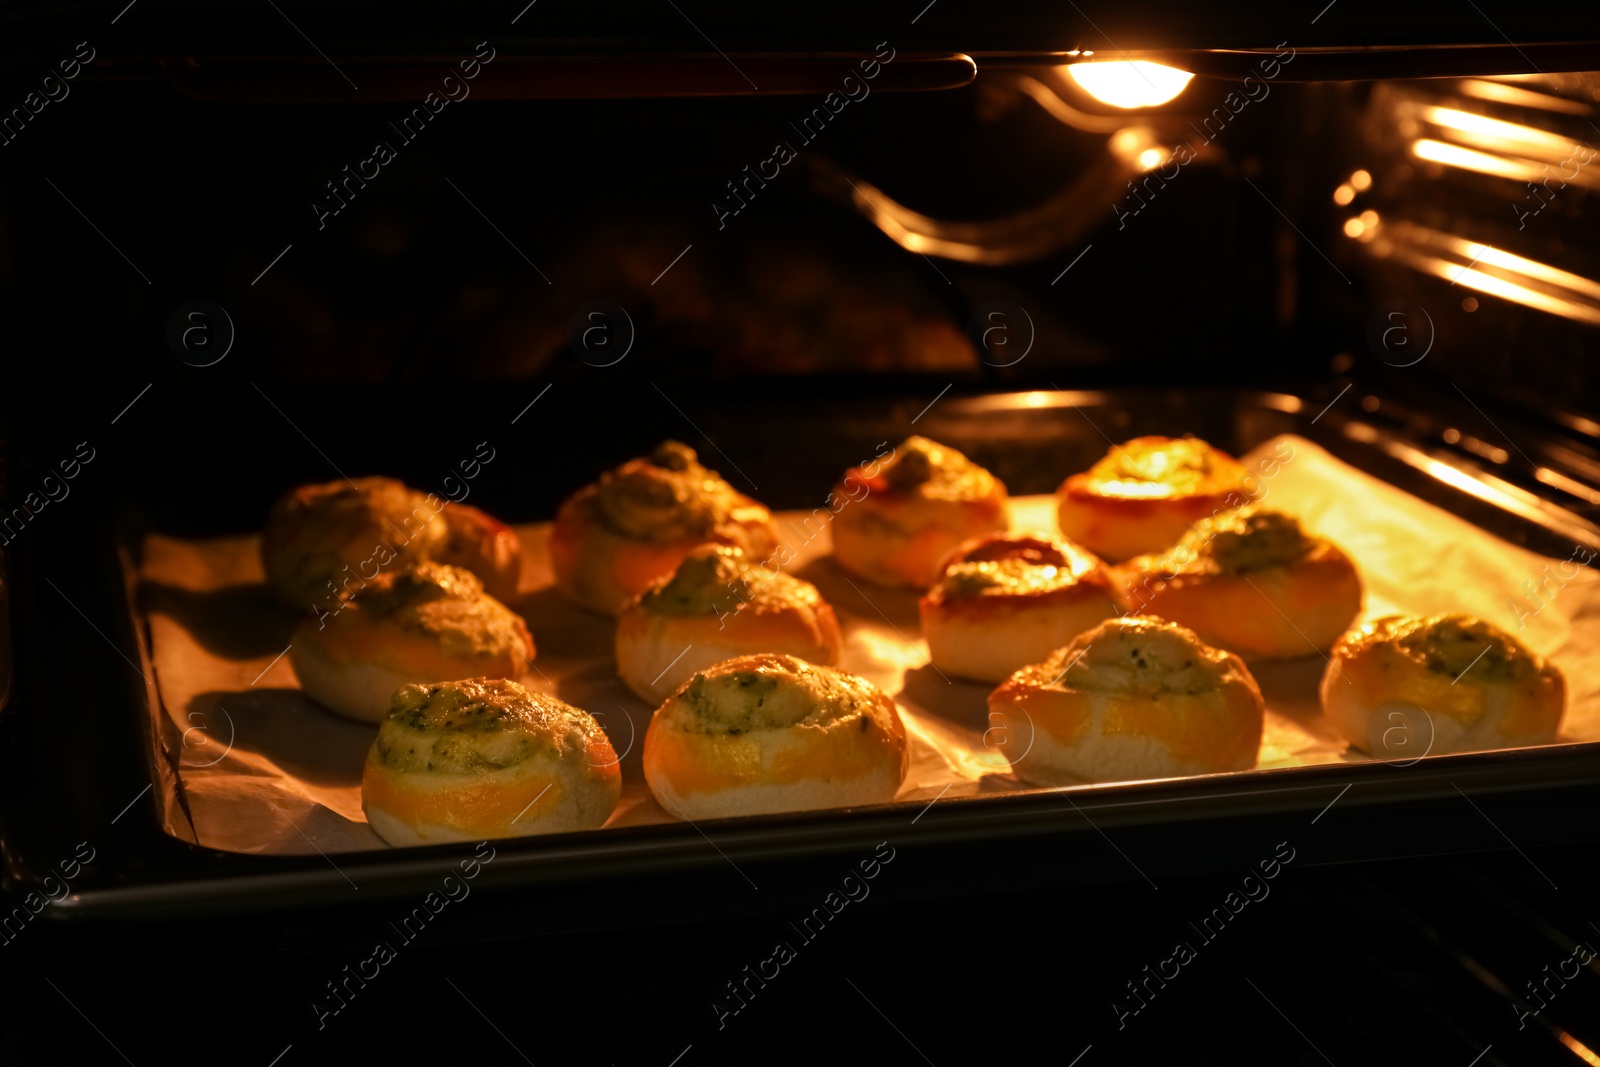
x,y
1386,808
263,769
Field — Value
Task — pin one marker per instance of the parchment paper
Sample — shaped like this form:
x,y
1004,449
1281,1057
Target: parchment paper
x,y
264,769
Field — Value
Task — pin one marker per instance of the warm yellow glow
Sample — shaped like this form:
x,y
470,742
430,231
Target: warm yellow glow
x,y
1484,268
1343,195
1509,290
1483,485
1130,140
1567,485
1361,181
1532,268
1458,119
1483,162
1491,256
1579,1049
1500,93
1452,477
1493,453
1500,133
1364,225
1130,83
1052,93
1137,147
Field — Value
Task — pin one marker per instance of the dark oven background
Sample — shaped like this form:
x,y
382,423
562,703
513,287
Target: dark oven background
x,y
443,296
512,245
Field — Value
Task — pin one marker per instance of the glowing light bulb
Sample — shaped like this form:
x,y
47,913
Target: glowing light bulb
x,y
1130,83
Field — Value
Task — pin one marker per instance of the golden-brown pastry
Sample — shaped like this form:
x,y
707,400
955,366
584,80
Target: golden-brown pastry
x,y
1403,686
715,606
1252,581
611,540
1003,601
770,733
427,623
485,757
921,503
1143,494
1136,697
484,545
323,542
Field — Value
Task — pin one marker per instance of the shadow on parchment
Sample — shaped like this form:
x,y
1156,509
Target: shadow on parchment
x,y
861,598
562,630
960,703
623,716
284,725
236,622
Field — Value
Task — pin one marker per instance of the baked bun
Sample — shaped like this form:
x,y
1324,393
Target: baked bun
x,y
485,757
1136,697
1406,686
1003,601
715,606
1142,495
484,545
427,623
768,733
923,502
611,540
322,542
1252,581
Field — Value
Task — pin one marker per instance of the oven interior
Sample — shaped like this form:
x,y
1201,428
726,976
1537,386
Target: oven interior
x,y
1382,240
231,267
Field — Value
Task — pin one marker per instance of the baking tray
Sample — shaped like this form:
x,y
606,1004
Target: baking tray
x,y
82,762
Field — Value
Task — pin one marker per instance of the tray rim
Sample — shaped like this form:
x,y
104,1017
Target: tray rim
x,y
287,882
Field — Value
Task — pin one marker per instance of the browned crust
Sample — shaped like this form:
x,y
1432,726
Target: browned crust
x,y
601,570
1298,609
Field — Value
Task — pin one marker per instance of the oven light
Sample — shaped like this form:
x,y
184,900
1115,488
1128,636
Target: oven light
x,y
1130,83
